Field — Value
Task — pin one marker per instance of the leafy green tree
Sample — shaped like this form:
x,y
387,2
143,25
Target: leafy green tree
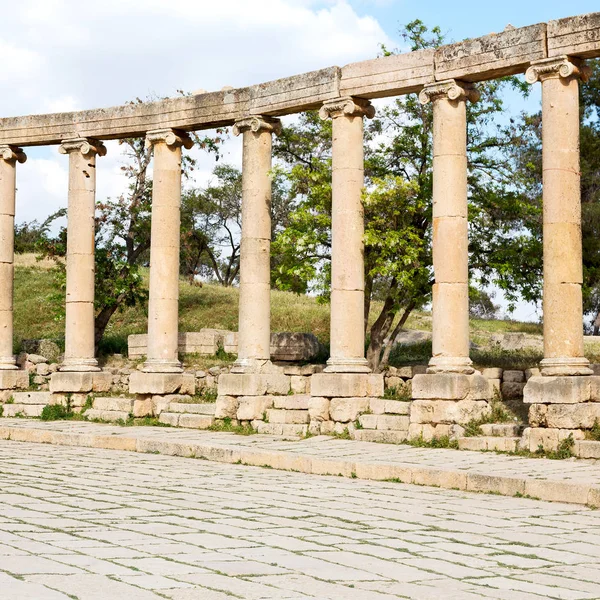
x,y
397,201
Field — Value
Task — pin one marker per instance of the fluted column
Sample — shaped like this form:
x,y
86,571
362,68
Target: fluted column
x,y
347,350
450,343
9,156
79,315
563,267
163,304
254,330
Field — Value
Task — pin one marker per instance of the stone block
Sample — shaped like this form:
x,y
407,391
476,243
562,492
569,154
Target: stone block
x,y
66,381
296,402
392,381
501,429
575,36
392,422
287,416
194,409
512,389
253,384
122,404
450,386
188,384
102,381
301,370
537,415
573,416
587,449
559,390
253,407
142,408
533,372
492,373
380,406
447,411
160,404
294,347
426,431
495,387
154,383
490,443
344,410
368,421
14,379
318,409
43,398
346,385
419,370
404,372
167,418
268,428
196,421
516,376
110,416
547,438
25,410
296,430
383,437
226,407
299,383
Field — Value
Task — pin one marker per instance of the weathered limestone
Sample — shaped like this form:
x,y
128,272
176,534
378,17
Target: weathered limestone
x,y
563,270
163,302
347,230
254,336
450,241
68,382
161,383
9,157
79,315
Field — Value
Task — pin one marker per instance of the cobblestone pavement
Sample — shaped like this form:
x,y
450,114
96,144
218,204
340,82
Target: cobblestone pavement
x,y
95,524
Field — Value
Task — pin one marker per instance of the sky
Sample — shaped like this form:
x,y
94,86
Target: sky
x,y
62,55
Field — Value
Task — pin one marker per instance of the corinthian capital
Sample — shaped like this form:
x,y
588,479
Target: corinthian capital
x,y
558,66
348,107
257,123
171,137
12,154
451,89
86,146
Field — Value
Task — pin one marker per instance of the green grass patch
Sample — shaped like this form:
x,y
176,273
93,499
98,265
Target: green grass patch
x,y
228,426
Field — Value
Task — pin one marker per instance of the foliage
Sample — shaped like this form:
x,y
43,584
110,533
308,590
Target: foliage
x,y
481,304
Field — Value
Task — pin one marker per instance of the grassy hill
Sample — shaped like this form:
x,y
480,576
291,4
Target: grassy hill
x,y
39,305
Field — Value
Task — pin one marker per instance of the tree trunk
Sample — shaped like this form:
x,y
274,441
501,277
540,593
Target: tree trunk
x,y
379,330
392,341
102,320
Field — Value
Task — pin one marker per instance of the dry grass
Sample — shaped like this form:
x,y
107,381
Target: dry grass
x,y
33,260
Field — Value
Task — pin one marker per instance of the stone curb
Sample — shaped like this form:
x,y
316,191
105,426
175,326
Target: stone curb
x,y
455,479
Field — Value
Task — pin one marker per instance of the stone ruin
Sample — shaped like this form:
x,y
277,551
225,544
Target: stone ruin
x,y
564,397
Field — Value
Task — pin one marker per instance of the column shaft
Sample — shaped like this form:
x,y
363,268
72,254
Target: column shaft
x,y
79,313
347,345
9,156
563,267
450,343
163,304
254,330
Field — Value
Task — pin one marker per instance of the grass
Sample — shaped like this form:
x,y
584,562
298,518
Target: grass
x,y
228,426
497,414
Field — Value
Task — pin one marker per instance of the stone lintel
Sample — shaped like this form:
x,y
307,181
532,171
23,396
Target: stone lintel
x,y
14,379
562,390
141,382
450,386
346,385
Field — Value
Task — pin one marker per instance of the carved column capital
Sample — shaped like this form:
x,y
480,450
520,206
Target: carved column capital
x,y
87,146
450,89
12,154
171,137
558,66
257,123
347,106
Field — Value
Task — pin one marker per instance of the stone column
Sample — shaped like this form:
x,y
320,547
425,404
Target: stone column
x,y
450,344
254,330
79,316
347,231
9,156
563,268
163,305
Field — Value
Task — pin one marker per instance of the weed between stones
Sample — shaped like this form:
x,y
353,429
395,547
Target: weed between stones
x,y
227,426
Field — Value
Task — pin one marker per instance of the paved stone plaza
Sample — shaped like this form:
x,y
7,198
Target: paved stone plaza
x,y
90,523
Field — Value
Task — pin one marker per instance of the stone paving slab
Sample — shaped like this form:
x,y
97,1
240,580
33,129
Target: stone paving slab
x,y
91,524
574,480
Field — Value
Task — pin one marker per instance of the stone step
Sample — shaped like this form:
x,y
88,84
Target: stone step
x,y
114,404
502,429
32,397
587,449
25,410
500,444
111,416
195,409
189,421
295,402
287,417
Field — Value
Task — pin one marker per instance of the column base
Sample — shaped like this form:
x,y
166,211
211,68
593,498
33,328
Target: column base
x,y
251,365
450,364
565,366
8,363
347,365
79,365
162,366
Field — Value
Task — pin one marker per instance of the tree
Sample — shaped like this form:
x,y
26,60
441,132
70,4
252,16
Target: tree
x,y
397,201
